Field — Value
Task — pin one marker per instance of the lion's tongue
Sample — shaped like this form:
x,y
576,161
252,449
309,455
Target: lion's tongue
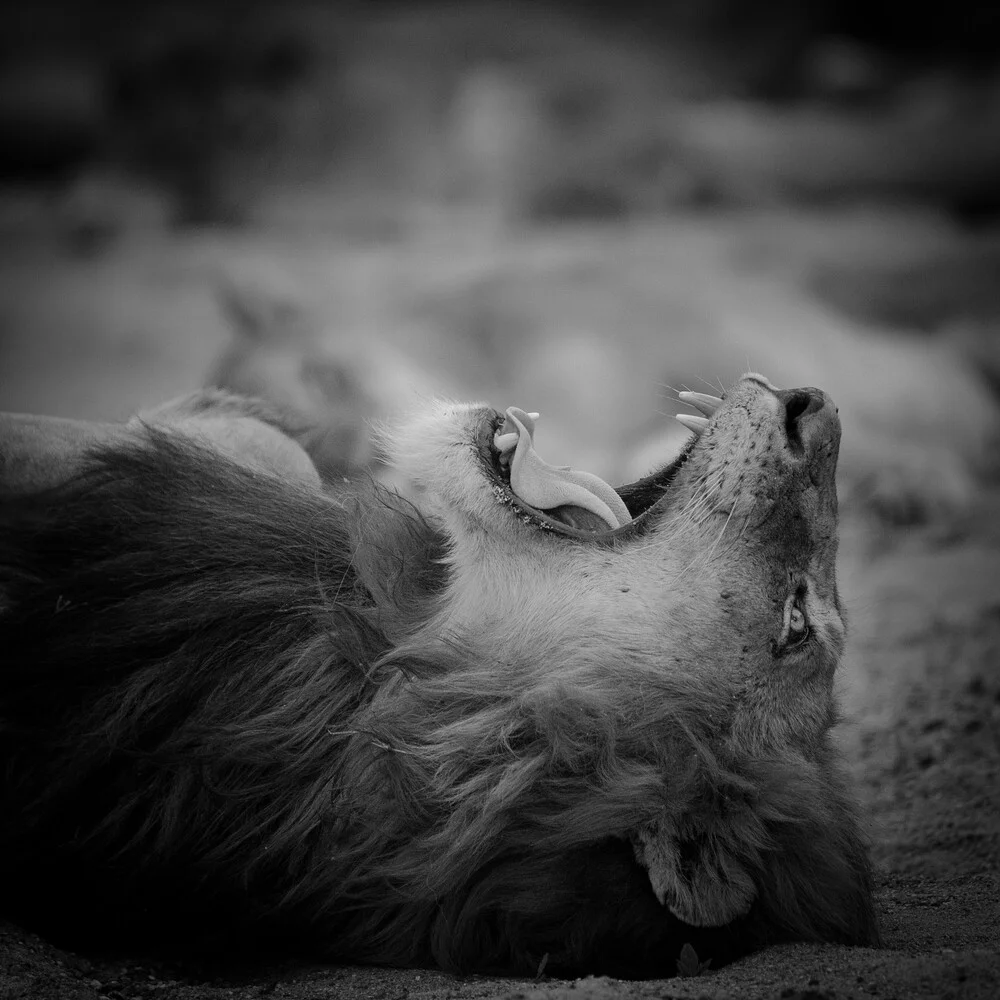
x,y
579,499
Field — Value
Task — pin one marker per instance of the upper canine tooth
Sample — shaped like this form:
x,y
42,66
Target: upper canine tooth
x,y
696,424
701,401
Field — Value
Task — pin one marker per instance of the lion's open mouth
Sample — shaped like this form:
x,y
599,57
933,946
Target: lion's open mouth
x,y
575,503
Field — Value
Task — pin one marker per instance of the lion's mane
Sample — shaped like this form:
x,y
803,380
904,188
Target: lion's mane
x,y
221,727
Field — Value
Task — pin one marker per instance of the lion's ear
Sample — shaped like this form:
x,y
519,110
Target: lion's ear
x,y
38,453
695,878
248,431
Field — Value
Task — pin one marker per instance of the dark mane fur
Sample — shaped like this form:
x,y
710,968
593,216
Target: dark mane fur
x,y
220,725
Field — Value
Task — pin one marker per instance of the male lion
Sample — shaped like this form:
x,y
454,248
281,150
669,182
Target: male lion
x,y
518,714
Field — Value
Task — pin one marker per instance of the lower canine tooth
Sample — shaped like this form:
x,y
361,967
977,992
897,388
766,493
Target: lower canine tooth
x,y
701,401
696,424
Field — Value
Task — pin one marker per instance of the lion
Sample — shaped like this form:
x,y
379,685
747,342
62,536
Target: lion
x,y
513,718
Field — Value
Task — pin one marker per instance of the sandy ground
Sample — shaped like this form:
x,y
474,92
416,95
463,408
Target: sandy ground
x,y
921,682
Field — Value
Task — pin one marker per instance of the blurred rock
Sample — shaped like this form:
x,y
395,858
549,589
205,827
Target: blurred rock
x,y
280,352
957,281
100,207
202,111
495,144
275,355
941,144
842,69
52,119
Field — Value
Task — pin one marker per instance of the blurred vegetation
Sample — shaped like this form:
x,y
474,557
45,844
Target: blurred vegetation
x,y
514,112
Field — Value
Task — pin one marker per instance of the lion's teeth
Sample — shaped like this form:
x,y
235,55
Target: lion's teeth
x,y
696,424
701,401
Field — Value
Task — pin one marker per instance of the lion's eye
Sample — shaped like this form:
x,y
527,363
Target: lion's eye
x,y
797,620
795,627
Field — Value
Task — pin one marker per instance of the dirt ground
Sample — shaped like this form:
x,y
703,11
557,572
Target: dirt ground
x,y
921,683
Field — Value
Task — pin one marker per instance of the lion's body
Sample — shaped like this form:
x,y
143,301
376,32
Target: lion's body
x,y
244,709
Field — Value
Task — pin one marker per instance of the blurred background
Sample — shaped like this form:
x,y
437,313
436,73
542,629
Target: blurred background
x,y
573,207
220,111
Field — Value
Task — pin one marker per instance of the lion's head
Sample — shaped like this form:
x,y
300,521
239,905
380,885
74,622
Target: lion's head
x,y
725,568
713,608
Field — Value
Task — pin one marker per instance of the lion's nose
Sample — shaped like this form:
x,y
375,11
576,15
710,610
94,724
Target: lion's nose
x,y
810,417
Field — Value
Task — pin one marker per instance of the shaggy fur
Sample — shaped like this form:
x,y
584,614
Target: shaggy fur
x,y
232,715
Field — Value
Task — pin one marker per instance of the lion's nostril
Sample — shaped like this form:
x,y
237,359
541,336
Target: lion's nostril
x,y
799,404
796,405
